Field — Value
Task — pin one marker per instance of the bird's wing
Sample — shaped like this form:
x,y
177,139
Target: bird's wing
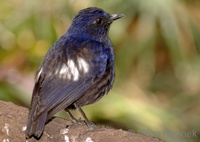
x,y
65,74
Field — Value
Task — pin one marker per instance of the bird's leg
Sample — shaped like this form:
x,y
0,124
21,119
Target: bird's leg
x,y
87,122
73,119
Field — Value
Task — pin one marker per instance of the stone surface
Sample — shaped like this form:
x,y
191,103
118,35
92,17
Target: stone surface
x,y
13,123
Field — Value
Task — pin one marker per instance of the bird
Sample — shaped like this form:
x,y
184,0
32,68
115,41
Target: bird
x,y
77,70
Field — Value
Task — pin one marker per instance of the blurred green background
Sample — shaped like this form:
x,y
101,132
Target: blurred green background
x,y
157,44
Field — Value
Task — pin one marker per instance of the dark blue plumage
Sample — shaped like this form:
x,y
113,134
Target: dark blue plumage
x,y
77,70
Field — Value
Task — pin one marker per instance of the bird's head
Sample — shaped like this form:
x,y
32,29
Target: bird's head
x,y
92,23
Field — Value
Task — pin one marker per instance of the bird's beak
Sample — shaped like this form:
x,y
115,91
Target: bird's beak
x,y
114,17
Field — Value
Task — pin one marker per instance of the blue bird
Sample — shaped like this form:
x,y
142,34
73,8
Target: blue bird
x,y
77,70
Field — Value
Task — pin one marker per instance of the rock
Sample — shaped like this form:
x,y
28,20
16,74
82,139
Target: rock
x,y
13,123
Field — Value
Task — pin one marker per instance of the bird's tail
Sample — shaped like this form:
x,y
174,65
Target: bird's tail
x,y
35,127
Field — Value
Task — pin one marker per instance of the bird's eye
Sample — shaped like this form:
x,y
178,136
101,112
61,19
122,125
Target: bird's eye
x,y
98,21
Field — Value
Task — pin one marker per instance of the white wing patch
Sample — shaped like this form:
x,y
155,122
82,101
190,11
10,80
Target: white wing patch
x,y
39,73
83,65
64,72
71,70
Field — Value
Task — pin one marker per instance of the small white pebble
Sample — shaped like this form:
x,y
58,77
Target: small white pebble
x,y
24,128
88,140
6,127
66,138
64,131
5,140
48,135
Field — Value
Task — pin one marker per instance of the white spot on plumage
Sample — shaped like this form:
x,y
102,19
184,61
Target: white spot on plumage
x,y
64,72
69,71
39,73
73,70
83,65
56,72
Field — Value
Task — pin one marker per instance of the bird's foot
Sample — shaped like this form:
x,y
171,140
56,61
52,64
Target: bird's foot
x,y
90,125
78,122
